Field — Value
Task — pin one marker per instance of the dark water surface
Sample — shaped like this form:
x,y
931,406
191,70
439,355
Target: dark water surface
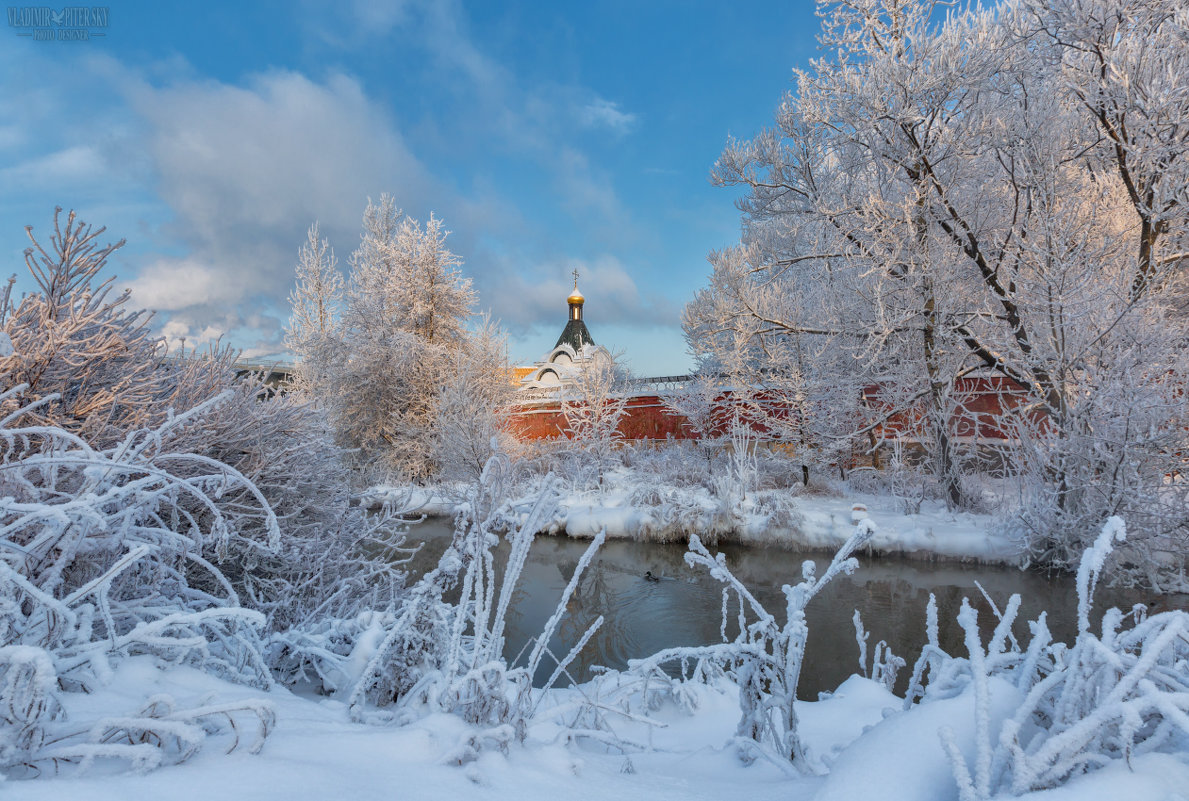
x,y
685,608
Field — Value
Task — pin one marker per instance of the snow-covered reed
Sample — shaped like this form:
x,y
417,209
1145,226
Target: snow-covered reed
x,y
443,656
765,657
1111,695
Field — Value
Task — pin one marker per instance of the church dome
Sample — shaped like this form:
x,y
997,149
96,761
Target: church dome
x,y
576,296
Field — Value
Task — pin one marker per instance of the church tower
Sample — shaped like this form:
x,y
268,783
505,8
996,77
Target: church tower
x,y
574,351
575,334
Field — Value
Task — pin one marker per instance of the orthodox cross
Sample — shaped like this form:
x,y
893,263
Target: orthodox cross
x,y
575,278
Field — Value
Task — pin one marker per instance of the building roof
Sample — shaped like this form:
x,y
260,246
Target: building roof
x,y
575,335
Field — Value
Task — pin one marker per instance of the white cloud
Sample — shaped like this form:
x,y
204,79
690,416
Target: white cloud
x,y
253,340
177,333
74,164
283,145
246,169
537,296
174,284
603,113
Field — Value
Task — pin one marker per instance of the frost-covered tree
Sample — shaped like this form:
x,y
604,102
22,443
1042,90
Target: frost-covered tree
x,y
404,327
1123,65
429,290
404,278
313,331
966,196
95,364
593,403
472,407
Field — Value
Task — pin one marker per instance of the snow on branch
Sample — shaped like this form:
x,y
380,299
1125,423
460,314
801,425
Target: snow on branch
x,y
97,543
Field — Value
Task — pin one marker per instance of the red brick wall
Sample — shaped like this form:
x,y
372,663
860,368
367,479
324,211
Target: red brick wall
x,y
982,401
644,418
647,418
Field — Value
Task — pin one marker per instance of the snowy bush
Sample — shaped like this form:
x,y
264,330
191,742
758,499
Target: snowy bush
x,y
1106,463
290,544
675,462
593,402
101,557
333,560
1110,696
472,407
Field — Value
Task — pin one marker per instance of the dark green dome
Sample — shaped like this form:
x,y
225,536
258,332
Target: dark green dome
x,y
575,335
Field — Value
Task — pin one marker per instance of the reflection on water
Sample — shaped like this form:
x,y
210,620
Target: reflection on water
x,y
685,607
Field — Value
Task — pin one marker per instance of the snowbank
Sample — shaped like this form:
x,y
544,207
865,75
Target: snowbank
x,y
817,523
315,753
935,533
411,501
902,757
630,508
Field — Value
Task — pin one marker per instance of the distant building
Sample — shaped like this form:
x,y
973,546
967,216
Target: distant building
x,y
538,410
574,350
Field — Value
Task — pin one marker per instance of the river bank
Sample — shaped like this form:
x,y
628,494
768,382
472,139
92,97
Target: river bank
x,y
785,519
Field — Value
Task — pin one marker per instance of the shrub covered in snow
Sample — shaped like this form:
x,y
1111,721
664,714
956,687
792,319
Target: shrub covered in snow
x,y
160,506
292,545
101,556
1109,696
766,656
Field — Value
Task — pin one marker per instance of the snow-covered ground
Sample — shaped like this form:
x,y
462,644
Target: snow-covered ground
x,y
770,518
824,522
315,753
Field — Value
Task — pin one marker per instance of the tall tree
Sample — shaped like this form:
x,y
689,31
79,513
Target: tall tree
x,y
403,335
313,331
940,198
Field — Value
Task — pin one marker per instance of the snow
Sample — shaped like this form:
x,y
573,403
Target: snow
x,y
818,522
851,710
316,753
1151,776
934,533
904,754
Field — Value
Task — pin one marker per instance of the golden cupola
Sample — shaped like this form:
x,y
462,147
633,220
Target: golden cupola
x,y
575,334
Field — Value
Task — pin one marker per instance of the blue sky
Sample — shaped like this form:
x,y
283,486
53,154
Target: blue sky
x,y
548,136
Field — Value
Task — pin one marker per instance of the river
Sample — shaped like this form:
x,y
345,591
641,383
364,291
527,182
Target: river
x,y
685,606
